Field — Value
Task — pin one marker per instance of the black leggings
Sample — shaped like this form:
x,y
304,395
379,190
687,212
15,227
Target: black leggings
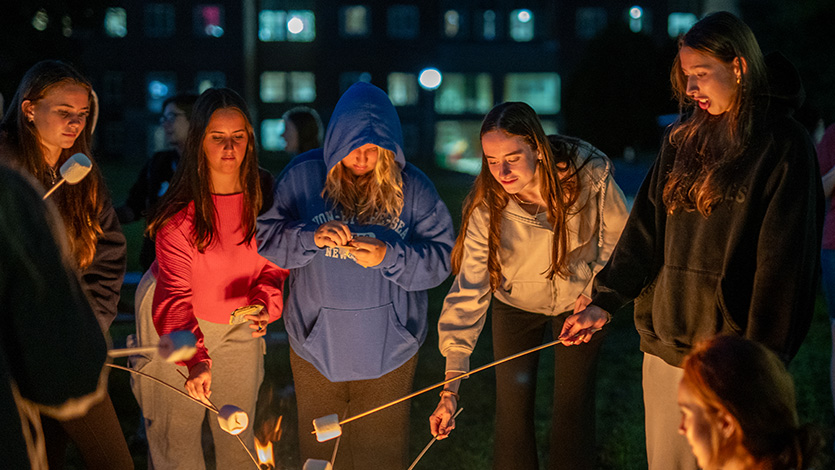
x,y
572,442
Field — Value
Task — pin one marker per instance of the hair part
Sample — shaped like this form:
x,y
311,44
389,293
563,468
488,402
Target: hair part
x,y
192,180
558,183
20,145
709,146
373,198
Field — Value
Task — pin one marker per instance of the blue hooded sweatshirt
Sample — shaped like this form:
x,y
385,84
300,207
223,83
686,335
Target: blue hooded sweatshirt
x,y
350,322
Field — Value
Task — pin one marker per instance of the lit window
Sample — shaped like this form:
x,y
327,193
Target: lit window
x,y
464,93
41,20
403,21
301,26
205,80
302,87
488,30
271,139
521,25
208,21
590,21
159,86
452,23
636,19
159,20
458,146
402,89
115,22
66,26
272,25
280,87
273,87
540,90
680,23
355,21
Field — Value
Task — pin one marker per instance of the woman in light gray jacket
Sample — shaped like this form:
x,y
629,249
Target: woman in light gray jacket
x,y
541,220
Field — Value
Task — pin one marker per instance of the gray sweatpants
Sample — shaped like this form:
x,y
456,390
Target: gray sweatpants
x,y
666,448
173,423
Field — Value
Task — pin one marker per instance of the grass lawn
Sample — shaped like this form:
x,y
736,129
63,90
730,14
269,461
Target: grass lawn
x,y
619,402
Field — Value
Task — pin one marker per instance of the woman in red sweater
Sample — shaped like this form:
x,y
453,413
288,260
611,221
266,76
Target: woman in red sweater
x,y
207,267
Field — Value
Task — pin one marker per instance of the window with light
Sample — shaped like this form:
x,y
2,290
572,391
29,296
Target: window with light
x,y
680,23
403,89
540,90
209,21
116,22
521,25
464,93
355,21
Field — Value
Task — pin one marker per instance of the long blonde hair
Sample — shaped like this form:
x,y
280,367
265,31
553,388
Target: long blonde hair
x,y
373,198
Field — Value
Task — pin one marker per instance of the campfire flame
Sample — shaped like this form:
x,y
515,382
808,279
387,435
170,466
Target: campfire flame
x,y
270,433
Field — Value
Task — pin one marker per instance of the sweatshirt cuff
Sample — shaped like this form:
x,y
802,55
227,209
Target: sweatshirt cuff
x,y
457,361
390,259
306,239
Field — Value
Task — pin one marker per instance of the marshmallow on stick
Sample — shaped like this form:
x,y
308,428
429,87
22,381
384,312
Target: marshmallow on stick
x,y
232,419
72,171
313,464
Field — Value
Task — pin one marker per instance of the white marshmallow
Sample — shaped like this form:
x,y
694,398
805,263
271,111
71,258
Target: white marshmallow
x,y
232,419
327,427
177,346
313,464
76,168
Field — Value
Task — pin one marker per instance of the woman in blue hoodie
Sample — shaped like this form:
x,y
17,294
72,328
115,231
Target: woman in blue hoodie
x,y
364,235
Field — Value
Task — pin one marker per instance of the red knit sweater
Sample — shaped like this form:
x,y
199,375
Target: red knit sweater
x,y
212,284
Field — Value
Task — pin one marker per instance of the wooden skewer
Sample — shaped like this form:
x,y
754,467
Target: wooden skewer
x,y
434,438
131,351
458,377
163,383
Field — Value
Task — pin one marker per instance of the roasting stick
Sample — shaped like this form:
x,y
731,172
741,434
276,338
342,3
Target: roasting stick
x,y
163,383
327,423
434,438
216,410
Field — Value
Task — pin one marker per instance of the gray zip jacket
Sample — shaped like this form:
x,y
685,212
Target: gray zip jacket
x,y
525,255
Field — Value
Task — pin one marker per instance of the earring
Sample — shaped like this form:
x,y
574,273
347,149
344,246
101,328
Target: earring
x,y
738,78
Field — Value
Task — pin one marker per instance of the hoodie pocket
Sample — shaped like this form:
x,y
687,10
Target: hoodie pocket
x,y
359,344
533,296
686,307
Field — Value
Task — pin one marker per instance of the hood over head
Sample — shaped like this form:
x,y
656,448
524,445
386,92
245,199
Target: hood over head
x,y
363,115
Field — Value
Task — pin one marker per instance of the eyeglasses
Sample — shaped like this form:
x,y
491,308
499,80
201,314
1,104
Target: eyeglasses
x,y
170,117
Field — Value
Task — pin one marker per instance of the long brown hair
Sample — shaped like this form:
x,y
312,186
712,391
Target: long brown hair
x,y
20,144
373,198
558,183
192,180
733,375
708,146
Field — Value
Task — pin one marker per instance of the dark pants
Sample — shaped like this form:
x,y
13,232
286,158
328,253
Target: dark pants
x,y
573,418
379,440
97,434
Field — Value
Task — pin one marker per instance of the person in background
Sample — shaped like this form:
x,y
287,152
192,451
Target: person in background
x,y
155,176
47,123
724,235
302,130
541,220
364,234
53,365
738,409
208,267
826,159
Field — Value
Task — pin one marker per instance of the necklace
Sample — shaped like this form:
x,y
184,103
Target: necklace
x,y
526,203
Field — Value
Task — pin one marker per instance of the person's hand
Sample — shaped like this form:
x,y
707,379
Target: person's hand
x,y
579,327
581,303
441,422
259,322
199,382
332,233
367,251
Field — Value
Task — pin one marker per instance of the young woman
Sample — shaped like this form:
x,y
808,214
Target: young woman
x,y
541,220
155,176
364,235
47,123
724,234
208,266
750,427
302,130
